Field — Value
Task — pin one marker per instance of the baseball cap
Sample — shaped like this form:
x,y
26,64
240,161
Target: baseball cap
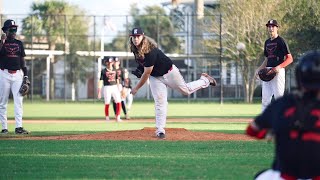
x,y
116,59
136,32
108,59
272,22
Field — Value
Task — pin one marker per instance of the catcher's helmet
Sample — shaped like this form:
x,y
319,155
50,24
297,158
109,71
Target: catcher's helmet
x,y
308,71
8,23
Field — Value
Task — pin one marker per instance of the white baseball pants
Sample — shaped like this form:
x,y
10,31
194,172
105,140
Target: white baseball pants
x,y
174,80
274,87
9,81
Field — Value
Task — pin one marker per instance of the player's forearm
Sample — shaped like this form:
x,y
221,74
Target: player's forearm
x,y
143,80
287,61
100,83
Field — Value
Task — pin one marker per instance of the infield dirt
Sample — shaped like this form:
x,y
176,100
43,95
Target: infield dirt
x,y
146,134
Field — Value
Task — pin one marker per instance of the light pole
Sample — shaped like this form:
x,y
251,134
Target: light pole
x,y
241,47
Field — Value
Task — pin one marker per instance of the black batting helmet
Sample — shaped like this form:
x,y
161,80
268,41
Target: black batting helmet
x,y
308,71
8,23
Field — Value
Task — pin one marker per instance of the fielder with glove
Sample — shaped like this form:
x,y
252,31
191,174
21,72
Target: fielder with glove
x,y
277,57
13,73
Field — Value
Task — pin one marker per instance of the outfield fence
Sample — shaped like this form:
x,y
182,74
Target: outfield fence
x,y
65,64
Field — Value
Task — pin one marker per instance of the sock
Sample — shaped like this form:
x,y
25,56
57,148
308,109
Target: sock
x,y
118,109
106,109
124,107
114,105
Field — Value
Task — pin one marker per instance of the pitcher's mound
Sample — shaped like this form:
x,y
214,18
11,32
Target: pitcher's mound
x,y
172,134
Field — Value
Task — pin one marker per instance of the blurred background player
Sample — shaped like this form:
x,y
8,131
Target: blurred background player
x,y
120,75
161,72
13,72
294,120
109,79
277,57
126,96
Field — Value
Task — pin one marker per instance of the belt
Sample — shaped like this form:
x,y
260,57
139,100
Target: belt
x,y
170,68
10,71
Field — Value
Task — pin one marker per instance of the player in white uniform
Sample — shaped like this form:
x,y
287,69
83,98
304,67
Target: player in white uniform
x,y
12,72
161,72
109,79
277,57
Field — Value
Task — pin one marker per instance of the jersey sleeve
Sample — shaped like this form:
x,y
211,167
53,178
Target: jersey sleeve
x,y
265,49
284,47
23,53
101,75
150,58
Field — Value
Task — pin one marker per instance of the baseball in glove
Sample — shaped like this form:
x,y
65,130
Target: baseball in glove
x,y
24,89
266,74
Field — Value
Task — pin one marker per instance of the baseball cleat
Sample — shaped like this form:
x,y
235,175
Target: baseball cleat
x,y
107,118
161,136
212,81
20,130
4,131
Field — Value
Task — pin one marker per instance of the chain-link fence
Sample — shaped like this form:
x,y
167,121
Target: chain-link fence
x,y
63,53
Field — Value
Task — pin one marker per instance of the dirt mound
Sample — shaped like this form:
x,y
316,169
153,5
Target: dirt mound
x,y
172,134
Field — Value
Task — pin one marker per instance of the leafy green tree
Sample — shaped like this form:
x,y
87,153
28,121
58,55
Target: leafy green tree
x,y
55,23
155,23
302,24
243,21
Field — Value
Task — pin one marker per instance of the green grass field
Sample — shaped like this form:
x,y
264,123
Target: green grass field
x,y
139,110
84,159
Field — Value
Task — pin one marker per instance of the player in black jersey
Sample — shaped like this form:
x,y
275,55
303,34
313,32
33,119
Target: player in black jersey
x,y
277,57
294,120
13,72
110,83
120,74
162,73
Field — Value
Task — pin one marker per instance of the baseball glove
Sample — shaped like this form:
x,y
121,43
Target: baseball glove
x,y
266,74
25,86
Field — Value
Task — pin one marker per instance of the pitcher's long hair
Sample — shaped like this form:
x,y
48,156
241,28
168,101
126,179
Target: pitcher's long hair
x,y
146,45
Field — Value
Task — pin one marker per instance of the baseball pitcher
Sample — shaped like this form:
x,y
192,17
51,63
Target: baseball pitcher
x,y
161,72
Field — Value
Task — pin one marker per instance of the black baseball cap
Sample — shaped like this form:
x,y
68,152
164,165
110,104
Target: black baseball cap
x,y
272,22
136,32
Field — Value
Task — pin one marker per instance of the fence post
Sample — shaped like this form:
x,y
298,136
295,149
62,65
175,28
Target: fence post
x,y
220,61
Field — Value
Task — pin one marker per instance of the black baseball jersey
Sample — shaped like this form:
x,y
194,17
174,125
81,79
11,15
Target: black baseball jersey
x,y
296,126
108,77
126,83
120,74
160,62
275,50
10,55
